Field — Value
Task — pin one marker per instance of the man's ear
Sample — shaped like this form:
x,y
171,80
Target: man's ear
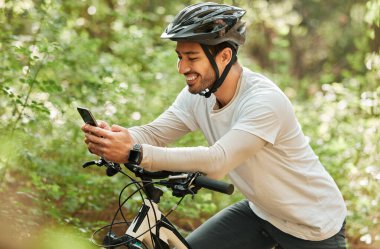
x,y
226,55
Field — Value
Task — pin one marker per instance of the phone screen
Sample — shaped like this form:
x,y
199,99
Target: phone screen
x,y
87,116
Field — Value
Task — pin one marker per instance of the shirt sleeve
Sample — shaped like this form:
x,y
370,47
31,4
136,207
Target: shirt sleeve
x,y
215,161
161,132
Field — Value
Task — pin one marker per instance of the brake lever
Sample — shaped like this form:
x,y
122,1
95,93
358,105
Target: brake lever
x,y
88,164
99,163
112,168
181,185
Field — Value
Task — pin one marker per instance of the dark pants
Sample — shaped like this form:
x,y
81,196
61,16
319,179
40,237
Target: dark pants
x,y
239,227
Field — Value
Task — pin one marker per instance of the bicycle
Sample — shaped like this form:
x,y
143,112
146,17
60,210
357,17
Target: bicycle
x,y
150,229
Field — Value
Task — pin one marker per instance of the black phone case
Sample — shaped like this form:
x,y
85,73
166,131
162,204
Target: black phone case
x,y
87,116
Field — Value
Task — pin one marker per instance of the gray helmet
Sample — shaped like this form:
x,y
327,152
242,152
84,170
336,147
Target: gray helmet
x,y
208,24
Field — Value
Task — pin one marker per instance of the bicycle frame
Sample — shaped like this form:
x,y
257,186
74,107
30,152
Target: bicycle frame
x,y
150,224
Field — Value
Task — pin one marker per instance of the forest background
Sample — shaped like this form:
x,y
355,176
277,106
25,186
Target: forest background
x,y
107,55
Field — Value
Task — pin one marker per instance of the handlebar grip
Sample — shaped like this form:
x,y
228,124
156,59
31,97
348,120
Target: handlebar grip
x,y
222,187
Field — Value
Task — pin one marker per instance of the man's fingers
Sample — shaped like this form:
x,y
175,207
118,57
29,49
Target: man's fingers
x,y
102,124
91,138
97,131
116,128
97,149
94,149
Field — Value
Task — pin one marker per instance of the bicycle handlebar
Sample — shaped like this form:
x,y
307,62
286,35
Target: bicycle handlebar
x,y
200,181
222,187
175,179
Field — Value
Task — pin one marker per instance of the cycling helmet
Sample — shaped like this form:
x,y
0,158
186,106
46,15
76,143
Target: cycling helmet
x,y
209,24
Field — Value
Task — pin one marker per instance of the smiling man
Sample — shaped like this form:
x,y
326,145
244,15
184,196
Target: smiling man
x,y
195,66
253,135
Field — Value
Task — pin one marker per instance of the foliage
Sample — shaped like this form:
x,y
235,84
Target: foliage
x,y
107,55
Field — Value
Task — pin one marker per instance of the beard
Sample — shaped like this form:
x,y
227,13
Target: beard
x,y
202,83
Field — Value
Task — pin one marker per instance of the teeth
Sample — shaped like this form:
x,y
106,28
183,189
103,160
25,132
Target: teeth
x,y
189,78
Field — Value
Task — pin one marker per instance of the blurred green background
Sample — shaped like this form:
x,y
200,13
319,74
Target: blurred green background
x,y
107,55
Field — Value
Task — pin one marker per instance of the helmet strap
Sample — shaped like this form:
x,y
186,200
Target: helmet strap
x,y
219,80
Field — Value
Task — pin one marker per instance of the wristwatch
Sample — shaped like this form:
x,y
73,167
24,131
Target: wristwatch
x,y
135,154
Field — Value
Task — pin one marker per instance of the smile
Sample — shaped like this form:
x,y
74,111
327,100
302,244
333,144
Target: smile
x,y
190,78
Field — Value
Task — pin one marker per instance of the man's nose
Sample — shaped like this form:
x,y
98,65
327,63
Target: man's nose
x,y
183,67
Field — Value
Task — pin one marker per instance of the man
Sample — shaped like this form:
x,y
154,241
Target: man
x,y
253,136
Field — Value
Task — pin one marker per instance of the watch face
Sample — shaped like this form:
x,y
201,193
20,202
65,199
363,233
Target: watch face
x,y
137,147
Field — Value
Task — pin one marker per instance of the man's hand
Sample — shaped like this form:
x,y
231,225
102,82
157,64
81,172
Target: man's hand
x,y
103,124
111,143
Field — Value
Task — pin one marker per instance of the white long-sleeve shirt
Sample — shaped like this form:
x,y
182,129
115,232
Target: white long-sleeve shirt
x,y
257,140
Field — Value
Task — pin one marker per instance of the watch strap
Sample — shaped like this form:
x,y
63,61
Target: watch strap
x,y
135,154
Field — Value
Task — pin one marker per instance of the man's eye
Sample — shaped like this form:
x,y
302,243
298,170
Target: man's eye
x,y
192,59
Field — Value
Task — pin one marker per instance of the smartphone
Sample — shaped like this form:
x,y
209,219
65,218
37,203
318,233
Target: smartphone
x,y
87,116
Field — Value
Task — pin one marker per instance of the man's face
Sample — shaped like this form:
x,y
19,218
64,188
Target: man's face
x,y
195,66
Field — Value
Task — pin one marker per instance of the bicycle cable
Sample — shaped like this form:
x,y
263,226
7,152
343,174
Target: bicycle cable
x,y
116,223
140,187
138,190
142,198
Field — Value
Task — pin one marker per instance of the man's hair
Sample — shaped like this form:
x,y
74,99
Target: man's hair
x,y
215,49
